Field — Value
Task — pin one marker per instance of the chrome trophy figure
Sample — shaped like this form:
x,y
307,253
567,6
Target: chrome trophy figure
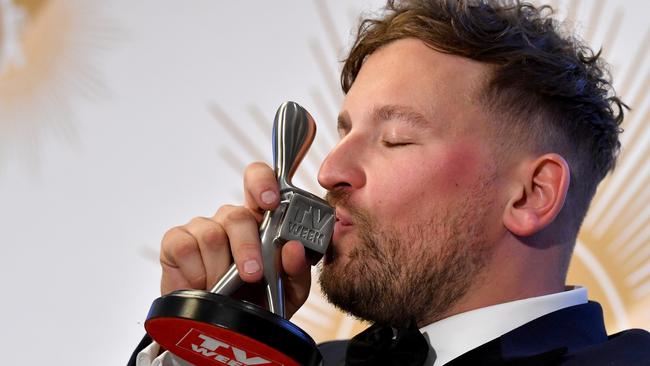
x,y
211,328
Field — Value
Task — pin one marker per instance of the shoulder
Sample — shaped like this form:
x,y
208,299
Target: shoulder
x,y
629,347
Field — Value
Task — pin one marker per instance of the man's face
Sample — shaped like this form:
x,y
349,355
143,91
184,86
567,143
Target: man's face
x,y
414,183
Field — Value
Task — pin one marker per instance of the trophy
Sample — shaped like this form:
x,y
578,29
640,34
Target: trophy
x,y
211,328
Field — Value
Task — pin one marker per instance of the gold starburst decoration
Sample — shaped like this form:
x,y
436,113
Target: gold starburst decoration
x,y
47,58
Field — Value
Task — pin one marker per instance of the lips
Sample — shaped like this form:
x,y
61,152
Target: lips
x,y
343,224
343,219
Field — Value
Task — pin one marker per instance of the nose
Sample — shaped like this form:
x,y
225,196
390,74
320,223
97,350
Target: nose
x,y
342,168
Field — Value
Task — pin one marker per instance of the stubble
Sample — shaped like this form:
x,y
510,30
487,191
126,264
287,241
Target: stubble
x,y
394,275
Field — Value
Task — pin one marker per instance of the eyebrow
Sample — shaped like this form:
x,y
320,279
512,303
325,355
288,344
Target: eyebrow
x,y
343,123
387,113
403,113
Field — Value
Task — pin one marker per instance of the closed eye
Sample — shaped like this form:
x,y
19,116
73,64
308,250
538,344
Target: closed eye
x,y
396,143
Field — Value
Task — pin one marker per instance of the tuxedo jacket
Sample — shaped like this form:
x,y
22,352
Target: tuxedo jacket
x,y
573,336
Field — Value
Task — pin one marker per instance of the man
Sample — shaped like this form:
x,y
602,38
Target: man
x,y
473,136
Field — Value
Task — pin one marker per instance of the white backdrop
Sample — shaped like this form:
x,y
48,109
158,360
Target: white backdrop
x,y
146,116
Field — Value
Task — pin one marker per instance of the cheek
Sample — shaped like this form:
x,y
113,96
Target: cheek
x,y
439,178
459,168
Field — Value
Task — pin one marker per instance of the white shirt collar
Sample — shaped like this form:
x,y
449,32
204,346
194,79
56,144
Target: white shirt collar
x,y
458,334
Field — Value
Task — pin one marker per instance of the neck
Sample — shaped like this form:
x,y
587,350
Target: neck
x,y
515,272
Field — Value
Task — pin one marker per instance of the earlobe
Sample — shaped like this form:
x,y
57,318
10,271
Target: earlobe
x,y
517,219
539,195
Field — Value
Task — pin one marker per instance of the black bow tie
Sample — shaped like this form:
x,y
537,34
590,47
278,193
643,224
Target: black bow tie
x,y
384,346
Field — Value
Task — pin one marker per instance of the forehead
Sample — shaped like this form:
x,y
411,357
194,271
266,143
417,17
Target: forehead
x,y
408,72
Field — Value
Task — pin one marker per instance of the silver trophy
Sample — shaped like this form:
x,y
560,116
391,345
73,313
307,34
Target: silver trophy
x,y
211,328
301,215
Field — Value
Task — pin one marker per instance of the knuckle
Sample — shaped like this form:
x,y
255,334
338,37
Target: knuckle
x,y
196,222
247,247
238,214
223,211
183,247
213,235
206,230
171,235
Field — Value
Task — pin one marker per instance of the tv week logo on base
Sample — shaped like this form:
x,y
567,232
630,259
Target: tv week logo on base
x,y
221,352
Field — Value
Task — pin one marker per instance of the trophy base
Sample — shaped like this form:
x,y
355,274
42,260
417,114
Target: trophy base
x,y
207,329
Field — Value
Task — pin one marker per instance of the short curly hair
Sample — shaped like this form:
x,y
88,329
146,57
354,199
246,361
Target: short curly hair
x,y
551,89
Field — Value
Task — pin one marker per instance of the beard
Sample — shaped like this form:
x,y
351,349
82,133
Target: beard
x,y
396,275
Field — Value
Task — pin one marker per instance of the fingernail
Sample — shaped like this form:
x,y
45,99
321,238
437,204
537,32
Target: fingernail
x,y
268,197
251,266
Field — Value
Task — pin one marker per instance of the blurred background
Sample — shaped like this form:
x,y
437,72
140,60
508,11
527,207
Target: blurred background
x,y
120,119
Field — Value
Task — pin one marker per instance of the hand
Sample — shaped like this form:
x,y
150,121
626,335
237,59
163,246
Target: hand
x,y
196,255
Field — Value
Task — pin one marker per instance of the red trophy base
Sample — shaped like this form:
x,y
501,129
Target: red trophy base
x,y
207,329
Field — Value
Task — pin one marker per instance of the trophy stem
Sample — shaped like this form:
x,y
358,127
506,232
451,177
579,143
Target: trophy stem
x,y
229,283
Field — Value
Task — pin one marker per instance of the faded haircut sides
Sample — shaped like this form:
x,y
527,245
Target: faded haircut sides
x,y
548,89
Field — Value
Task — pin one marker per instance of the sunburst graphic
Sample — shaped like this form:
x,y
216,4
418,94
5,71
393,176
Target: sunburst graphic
x,y
48,53
612,256
11,21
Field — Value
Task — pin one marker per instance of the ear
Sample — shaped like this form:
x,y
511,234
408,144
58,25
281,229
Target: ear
x,y
538,195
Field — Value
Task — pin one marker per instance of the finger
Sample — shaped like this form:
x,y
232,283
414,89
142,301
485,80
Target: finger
x,y
261,189
294,261
213,247
297,275
242,230
172,280
181,260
